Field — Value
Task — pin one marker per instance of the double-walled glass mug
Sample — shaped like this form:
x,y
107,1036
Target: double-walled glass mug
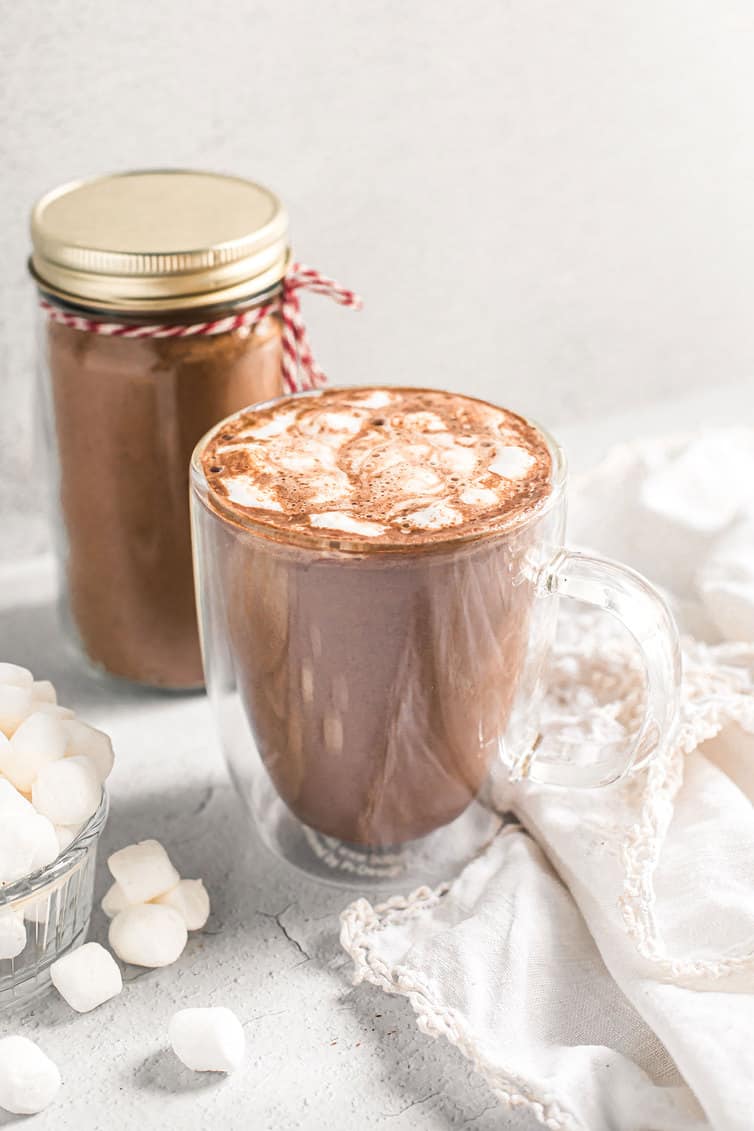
x,y
371,668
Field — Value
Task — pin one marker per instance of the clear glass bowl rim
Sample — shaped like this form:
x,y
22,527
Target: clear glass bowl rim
x,y
69,859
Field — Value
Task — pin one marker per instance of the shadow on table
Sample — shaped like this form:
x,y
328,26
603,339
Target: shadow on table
x,y
162,1071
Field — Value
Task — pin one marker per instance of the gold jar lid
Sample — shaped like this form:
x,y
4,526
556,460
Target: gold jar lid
x,y
158,240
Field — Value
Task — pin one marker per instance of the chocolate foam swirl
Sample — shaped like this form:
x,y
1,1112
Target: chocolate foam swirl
x,y
388,466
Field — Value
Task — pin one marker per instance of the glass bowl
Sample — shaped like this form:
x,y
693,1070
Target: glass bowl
x,y
53,907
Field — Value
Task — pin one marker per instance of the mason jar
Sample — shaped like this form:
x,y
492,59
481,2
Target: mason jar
x,y
157,318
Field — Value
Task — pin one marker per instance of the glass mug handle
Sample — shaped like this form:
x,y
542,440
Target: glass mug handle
x,y
640,608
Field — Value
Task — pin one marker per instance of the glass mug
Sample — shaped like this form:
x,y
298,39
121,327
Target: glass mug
x,y
365,696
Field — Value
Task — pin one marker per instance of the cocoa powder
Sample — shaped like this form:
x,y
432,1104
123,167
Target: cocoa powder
x,y
127,414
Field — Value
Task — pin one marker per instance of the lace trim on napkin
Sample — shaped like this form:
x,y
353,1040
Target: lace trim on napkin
x,y
360,921
595,690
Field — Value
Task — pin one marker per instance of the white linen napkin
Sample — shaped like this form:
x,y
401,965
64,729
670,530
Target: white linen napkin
x,y
597,964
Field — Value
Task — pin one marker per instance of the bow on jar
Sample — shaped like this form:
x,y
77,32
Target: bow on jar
x,y
300,370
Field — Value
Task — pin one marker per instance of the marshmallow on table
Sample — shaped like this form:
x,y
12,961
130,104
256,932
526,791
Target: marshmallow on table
x,y
208,1040
39,740
67,791
12,933
29,1080
148,934
114,900
86,977
143,870
88,742
189,898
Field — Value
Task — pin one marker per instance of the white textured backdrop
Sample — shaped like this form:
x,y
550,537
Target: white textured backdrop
x,y
549,204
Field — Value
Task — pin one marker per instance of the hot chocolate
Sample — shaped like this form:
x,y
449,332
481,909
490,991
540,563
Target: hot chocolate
x,y
367,556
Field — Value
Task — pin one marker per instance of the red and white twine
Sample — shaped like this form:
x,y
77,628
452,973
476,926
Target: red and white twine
x,y
300,370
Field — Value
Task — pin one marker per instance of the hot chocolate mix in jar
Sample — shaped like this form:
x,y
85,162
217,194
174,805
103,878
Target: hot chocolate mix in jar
x,y
167,302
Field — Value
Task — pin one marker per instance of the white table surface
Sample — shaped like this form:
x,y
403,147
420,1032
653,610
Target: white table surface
x,y
321,1054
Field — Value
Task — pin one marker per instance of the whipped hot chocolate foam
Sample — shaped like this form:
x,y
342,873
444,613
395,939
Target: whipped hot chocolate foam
x,y
381,465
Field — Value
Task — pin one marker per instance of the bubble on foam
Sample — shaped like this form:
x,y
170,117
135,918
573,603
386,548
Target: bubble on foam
x,y
332,487
378,399
339,520
460,461
275,426
434,517
342,421
424,421
418,480
244,491
511,463
333,427
307,455
479,497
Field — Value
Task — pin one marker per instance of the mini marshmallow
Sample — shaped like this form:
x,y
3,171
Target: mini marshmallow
x,y
143,871
42,691
208,1040
67,791
87,741
12,933
19,842
29,1080
148,935
189,898
46,846
15,704
54,710
11,801
13,675
114,901
37,741
86,977
66,835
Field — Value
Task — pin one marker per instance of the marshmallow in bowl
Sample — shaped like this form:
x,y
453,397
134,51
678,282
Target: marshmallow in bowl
x,y
13,675
86,741
39,739
67,791
12,933
27,843
15,704
52,767
42,691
